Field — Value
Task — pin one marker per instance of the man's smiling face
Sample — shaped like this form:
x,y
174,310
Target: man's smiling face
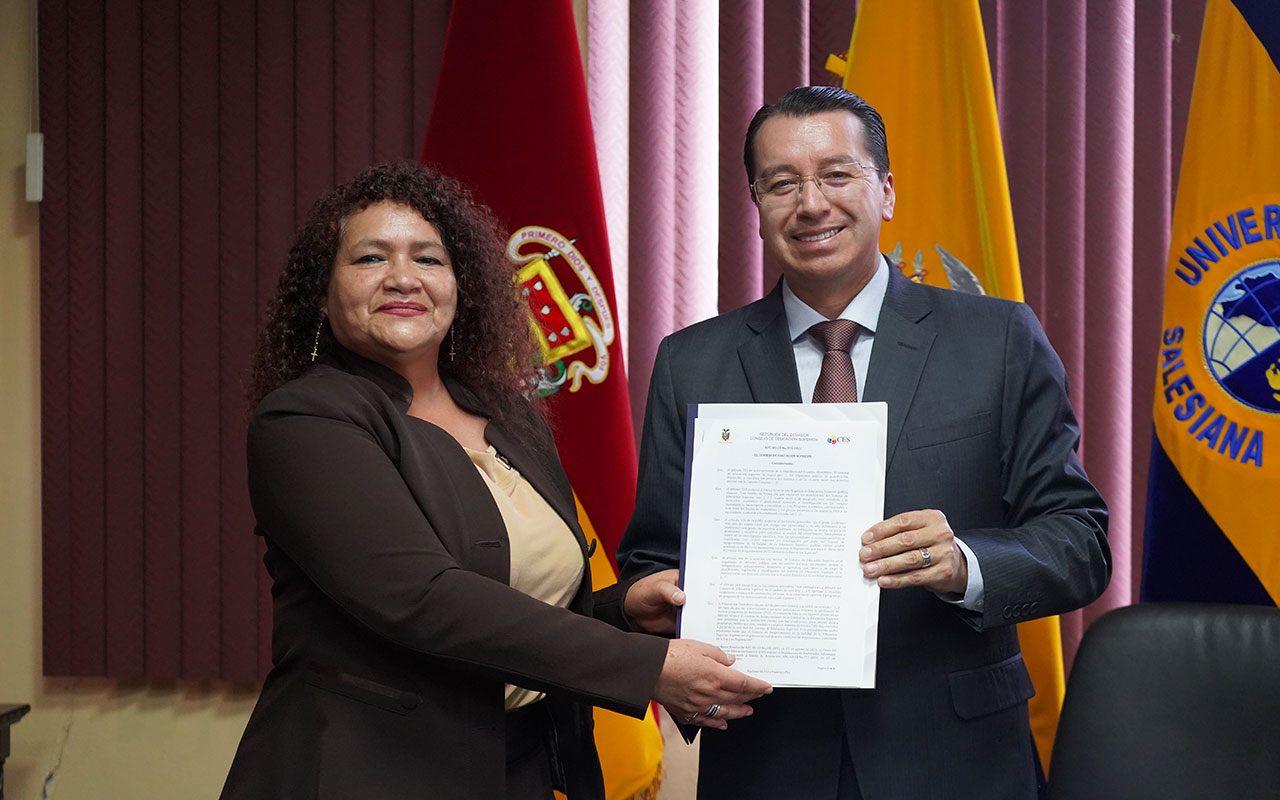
x,y
828,246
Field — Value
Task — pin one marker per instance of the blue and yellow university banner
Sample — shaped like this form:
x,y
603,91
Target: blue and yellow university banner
x,y
1213,531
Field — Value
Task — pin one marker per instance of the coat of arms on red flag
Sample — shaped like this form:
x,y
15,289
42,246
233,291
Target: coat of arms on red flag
x,y
567,325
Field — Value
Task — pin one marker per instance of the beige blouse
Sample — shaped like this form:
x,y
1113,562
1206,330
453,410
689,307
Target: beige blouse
x,y
546,561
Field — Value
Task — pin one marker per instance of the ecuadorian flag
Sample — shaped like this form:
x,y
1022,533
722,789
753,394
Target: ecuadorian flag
x,y
953,223
1213,529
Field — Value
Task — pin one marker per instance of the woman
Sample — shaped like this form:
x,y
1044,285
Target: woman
x,y
434,632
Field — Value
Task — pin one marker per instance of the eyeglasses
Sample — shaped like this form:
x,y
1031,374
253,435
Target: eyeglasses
x,y
833,181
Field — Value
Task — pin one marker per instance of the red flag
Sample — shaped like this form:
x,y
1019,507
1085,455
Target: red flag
x,y
511,120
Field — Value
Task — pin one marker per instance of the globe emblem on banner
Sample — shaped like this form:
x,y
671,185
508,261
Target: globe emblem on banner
x,y
1242,336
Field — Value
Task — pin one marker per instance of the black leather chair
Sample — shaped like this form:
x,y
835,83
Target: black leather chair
x,y
1172,701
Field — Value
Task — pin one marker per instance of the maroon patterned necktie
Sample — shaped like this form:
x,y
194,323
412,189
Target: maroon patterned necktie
x,y
836,382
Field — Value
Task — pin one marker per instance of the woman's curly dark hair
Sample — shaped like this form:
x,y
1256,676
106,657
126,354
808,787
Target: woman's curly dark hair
x,y
490,330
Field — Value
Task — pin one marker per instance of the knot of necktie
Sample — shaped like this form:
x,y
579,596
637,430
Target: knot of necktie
x,y
835,334
837,382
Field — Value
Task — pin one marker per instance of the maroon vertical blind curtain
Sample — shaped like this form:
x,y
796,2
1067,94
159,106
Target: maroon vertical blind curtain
x,y
184,143
1093,99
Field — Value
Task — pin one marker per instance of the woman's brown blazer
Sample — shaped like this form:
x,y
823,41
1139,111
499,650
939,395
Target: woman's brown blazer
x,y
394,628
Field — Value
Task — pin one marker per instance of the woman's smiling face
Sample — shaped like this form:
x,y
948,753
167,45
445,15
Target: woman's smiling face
x,y
392,294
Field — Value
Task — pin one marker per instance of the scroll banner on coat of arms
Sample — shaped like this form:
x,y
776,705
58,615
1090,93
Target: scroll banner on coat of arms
x,y
510,119
1212,530
953,223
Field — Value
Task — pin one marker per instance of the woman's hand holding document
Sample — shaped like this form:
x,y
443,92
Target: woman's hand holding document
x,y
777,500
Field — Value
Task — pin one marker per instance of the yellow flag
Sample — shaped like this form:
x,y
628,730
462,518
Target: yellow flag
x,y
923,65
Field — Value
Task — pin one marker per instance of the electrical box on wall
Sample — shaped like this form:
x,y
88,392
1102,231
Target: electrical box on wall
x,y
35,167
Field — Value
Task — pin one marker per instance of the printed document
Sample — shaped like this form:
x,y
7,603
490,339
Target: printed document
x,y
777,498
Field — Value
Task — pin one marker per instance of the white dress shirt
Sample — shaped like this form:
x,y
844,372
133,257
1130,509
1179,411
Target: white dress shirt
x,y
864,309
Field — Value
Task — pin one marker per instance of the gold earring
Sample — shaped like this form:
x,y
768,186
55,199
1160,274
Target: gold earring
x,y
315,347
451,351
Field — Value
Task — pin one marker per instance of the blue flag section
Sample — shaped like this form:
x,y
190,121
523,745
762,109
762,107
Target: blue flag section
x,y
1190,560
1212,529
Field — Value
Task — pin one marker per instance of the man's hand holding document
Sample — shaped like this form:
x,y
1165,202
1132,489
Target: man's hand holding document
x,y
777,500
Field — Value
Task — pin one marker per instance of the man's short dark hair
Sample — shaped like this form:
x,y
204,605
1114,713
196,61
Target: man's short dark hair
x,y
805,101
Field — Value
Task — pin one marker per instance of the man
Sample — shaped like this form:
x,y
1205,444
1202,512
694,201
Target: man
x,y
990,517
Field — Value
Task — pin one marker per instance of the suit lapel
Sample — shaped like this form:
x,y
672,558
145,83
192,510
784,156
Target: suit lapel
x,y
768,358
899,354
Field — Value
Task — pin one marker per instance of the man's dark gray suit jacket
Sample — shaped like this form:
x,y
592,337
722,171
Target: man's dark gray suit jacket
x,y
980,427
